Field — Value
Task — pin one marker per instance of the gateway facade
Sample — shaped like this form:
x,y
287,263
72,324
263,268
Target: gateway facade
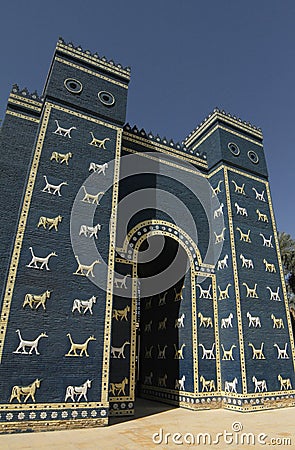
x,y
132,264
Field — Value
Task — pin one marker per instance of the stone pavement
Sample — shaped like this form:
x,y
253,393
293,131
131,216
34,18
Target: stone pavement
x,y
259,429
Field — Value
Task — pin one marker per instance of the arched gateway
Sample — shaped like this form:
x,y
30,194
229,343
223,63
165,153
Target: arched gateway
x,y
133,265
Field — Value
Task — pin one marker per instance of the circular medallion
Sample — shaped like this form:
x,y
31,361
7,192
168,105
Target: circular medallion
x,y
106,98
253,156
233,148
73,86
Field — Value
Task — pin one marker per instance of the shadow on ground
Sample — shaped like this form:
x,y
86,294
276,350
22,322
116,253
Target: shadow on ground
x,y
143,408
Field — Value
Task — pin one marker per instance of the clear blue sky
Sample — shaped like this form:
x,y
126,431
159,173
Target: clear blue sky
x,y
186,58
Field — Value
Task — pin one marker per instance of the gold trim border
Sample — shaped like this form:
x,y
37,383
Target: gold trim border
x,y
90,72
64,48
22,116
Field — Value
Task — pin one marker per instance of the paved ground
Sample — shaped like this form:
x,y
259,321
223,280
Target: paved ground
x,y
137,433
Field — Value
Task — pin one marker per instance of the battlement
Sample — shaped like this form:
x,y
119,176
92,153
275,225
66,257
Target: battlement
x,y
24,101
227,119
168,144
92,58
16,91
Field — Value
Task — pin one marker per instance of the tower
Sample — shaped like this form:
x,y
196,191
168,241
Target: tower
x,y
132,263
71,133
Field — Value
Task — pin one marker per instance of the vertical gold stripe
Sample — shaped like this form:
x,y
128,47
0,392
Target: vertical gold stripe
x,y
216,333
110,276
132,370
236,282
195,333
21,229
281,273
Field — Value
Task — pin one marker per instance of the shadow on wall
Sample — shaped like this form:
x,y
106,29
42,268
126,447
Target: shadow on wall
x,y
143,408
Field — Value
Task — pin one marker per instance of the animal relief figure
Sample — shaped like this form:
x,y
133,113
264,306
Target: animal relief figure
x,y
257,352
205,321
148,352
162,324
259,196
277,322
251,292
51,222
90,232
84,305
162,299
219,237
43,261
245,237
239,189
285,383
240,210
34,300
261,217
217,189
66,132
228,354
231,386
282,352
148,379
100,143
218,212
205,293
53,188
162,352
78,391
247,263
179,352
80,347
85,270
269,267
121,282
117,389
222,263
254,321
32,345
260,385
98,168
121,313
223,293
148,327
61,157
266,242
179,322
117,352
25,391
91,198
178,294
208,353
207,385
179,384
226,322
162,380
274,295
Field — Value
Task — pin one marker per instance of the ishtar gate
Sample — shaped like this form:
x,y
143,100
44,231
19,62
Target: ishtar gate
x,y
132,265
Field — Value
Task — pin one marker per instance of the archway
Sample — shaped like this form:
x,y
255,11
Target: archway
x,y
165,360
166,319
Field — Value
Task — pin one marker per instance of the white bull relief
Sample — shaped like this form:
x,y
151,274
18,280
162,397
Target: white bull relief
x,y
75,393
82,306
88,231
